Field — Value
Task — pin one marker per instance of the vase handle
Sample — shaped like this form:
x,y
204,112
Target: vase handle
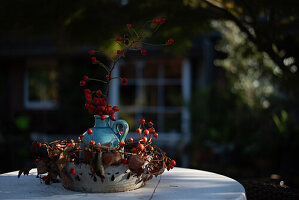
x,y
121,125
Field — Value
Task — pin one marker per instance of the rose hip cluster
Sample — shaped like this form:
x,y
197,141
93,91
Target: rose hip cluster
x,y
144,145
96,104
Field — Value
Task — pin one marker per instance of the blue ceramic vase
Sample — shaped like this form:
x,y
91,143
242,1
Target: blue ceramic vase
x,y
104,133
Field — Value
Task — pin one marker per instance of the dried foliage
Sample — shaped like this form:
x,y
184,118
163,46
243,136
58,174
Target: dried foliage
x,y
99,157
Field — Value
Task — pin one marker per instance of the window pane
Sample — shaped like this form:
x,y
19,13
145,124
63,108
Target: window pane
x,y
173,96
128,70
172,122
150,70
127,95
173,69
42,84
149,96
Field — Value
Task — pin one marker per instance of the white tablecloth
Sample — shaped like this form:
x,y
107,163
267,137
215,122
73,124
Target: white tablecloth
x,y
179,183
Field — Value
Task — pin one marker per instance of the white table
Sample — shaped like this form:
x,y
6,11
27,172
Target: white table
x,y
179,183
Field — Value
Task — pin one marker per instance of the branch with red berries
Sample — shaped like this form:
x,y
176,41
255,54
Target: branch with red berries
x,y
131,41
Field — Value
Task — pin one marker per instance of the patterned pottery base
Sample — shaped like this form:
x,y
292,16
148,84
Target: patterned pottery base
x,y
117,179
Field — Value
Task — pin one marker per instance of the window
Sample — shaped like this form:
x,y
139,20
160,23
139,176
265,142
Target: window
x,y
40,84
158,91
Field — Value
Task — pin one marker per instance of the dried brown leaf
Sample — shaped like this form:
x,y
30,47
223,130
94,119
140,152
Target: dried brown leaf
x,y
135,162
24,171
111,158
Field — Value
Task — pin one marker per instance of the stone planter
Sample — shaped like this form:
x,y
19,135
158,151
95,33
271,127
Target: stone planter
x,y
117,179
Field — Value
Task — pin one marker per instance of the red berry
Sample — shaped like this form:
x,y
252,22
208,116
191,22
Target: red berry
x,y
118,52
88,95
155,21
146,132
103,117
87,91
99,93
112,117
82,83
89,131
44,178
134,150
88,101
129,25
143,52
162,20
37,160
93,58
144,139
91,111
115,108
92,142
125,161
150,124
101,108
72,171
108,77
142,121
173,163
152,130
94,61
85,78
170,41
124,81
68,144
131,140
92,52
122,143
156,135
120,132
119,39
39,145
96,101
103,101
140,147
138,130
81,136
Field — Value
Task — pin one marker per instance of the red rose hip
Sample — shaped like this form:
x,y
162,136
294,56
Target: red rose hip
x,y
138,130
146,132
140,147
142,121
89,131
173,163
72,171
144,139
